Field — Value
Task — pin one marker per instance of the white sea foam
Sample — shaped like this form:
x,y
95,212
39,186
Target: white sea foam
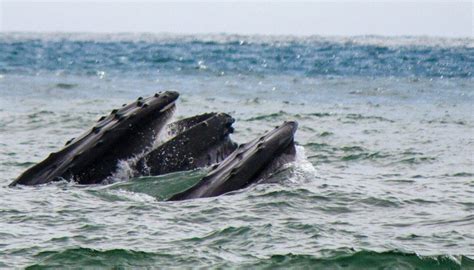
x,y
304,169
124,170
132,196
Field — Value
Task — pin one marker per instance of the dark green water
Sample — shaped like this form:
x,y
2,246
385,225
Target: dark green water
x,y
384,175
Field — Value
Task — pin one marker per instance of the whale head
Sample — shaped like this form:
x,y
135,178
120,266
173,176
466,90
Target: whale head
x,y
93,156
245,165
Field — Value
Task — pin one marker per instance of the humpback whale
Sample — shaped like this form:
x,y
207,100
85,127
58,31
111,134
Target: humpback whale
x,y
200,141
93,156
203,140
249,164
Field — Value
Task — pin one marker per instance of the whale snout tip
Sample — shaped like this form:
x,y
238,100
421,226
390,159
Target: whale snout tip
x,y
293,125
167,95
173,95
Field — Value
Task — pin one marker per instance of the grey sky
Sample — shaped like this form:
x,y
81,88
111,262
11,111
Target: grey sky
x,y
450,19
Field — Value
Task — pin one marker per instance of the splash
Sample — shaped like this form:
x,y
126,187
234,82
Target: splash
x,y
304,170
125,170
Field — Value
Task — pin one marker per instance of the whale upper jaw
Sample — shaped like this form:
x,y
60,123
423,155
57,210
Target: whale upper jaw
x,y
245,165
94,155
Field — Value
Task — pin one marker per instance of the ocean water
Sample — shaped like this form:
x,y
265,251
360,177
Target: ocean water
x,y
384,176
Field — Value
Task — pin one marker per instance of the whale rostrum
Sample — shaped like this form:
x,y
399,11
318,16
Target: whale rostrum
x,y
93,156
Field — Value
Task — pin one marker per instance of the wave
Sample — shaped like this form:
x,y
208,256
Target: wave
x,y
113,55
347,259
367,260
65,85
92,258
326,153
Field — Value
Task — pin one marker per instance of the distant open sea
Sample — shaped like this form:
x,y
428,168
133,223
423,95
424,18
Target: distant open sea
x,y
384,176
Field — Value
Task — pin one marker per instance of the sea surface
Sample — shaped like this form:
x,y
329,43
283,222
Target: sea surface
x,y
384,175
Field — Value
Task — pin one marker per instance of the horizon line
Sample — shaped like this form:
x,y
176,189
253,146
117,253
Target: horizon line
x,y
164,33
